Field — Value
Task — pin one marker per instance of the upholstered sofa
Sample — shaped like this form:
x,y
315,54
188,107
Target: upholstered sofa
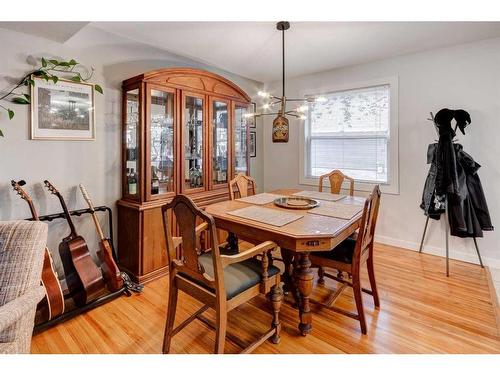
x,y
22,245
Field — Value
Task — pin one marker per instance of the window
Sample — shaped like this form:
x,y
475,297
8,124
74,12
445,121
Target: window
x,y
352,130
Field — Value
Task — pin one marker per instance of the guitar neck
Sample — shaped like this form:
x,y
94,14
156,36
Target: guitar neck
x,y
94,215
67,214
97,225
34,214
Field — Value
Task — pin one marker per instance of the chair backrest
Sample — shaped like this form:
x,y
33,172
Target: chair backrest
x,y
368,222
242,186
187,216
336,178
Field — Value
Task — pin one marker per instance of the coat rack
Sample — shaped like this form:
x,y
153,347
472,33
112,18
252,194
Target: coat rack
x,y
447,224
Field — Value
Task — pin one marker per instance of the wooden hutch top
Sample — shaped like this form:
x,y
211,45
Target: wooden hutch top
x,y
192,79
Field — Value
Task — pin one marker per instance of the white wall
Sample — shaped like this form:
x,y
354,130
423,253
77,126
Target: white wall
x,y
465,76
97,163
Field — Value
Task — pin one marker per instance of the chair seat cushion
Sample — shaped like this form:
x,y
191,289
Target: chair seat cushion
x,y
238,277
341,253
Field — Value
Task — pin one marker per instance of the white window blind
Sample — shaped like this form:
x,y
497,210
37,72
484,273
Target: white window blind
x,y
350,131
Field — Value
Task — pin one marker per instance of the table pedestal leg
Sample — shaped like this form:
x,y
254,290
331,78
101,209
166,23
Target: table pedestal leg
x,y
304,277
288,281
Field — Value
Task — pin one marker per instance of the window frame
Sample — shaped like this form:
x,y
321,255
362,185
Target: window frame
x,y
392,186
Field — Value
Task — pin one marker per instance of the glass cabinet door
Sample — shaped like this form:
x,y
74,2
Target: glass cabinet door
x,y
220,144
132,129
161,142
192,135
240,139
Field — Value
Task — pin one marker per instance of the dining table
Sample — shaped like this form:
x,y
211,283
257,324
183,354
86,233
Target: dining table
x,y
308,232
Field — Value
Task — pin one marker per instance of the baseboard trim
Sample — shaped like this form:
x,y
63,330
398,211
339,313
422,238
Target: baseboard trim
x,y
434,250
494,299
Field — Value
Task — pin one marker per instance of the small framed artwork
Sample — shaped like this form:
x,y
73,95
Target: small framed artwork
x,y
252,121
253,145
62,110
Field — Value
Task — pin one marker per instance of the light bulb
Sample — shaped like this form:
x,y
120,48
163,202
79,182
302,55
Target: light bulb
x,y
264,94
321,99
266,106
302,117
302,108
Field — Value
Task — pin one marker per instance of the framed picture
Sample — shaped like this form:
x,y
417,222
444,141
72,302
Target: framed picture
x,y
252,121
62,110
253,145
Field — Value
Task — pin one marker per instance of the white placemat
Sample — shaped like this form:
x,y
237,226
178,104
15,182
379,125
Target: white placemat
x,y
321,196
270,216
262,198
337,210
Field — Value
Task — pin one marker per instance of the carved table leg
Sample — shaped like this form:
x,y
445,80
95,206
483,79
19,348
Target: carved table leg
x,y
289,285
303,275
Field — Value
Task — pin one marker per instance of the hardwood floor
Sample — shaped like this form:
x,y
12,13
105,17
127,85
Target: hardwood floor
x,y
422,311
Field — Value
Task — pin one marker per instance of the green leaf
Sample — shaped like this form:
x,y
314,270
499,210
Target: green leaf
x,y
38,73
11,113
20,100
44,63
72,62
28,97
63,63
55,62
55,79
76,79
98,88
45,76
31,82
1,134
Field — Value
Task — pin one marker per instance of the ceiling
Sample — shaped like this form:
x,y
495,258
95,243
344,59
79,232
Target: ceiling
x,y
253,49
56,31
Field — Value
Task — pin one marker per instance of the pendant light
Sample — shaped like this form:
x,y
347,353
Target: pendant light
x,y
281,123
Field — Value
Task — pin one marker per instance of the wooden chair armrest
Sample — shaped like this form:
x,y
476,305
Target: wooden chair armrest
x,y
200,228
262,248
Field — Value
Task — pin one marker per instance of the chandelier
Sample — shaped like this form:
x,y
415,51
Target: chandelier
x,y
280,123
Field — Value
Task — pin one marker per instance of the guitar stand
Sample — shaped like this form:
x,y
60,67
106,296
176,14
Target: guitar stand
x,y
128,285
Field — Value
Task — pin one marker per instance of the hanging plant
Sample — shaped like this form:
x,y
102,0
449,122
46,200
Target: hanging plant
x,y
49,70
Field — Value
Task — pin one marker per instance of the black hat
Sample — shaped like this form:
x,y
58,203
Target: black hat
x,y
444,116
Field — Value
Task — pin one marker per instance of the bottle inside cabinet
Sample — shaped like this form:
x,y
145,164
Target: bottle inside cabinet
x,y
131,141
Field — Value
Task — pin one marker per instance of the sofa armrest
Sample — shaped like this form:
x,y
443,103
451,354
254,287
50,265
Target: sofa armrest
x,y
14,310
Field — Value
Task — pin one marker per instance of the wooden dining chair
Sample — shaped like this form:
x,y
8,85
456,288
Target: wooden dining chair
x,y
239,187
220,282
336,178
348,257
242,186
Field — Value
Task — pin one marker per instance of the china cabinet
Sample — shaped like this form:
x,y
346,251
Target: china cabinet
x,y
184,132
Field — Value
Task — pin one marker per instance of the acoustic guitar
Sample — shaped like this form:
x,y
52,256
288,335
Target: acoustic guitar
x,y
54,297
83,277
110,271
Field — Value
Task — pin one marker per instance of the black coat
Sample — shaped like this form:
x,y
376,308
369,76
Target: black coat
x,y
453,176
